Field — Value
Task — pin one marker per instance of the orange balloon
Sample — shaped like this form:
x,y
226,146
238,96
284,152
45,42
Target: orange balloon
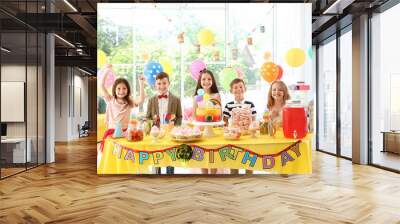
x,y
145,56
269,71
267,55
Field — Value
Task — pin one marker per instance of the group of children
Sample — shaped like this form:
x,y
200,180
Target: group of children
x,y
120,102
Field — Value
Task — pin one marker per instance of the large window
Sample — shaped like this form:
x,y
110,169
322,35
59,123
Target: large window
x,y
327,97
22,93
346,94
385,84
130,40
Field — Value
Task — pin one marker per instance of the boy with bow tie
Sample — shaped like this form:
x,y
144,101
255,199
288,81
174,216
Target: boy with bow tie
x,y
164,104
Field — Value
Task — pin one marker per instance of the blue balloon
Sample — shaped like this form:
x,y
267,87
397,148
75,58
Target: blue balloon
x,y
200,92
151,70
150,78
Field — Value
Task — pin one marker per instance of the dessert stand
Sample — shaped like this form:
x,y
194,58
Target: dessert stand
x,y
208,127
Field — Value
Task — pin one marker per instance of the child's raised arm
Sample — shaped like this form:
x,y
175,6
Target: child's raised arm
x,y
106,71
140,99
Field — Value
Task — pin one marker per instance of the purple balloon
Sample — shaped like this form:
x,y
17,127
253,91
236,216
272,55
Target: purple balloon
x,y
198,98
196,67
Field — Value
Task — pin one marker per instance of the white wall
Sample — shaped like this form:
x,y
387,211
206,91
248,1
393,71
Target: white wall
x,y
70,83
61,103
34,124
80,83
12,73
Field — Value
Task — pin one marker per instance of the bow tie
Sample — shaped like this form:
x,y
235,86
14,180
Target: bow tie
x,y
163,96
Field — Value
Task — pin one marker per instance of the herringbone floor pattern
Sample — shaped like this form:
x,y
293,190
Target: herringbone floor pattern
x,y
70,191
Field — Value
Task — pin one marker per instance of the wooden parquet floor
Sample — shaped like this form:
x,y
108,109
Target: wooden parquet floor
x,y
70,191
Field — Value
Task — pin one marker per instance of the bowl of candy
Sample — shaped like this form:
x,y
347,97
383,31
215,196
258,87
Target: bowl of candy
x,y
253,128
136,135
232,133
242,117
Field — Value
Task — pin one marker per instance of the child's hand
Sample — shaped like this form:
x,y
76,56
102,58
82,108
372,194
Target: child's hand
x,y
125,134
142,79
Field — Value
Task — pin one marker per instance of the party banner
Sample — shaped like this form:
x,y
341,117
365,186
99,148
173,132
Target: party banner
x,y
286,158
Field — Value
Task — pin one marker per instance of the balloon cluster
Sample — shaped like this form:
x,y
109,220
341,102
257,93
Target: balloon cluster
x,y
269,71
201,96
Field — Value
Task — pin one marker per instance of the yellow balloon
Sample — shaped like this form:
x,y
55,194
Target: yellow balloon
x,y
206,97
101,58
167,67
100,89
205,37
295,57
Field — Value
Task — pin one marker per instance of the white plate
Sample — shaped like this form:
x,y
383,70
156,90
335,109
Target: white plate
x,y
198,123
186,139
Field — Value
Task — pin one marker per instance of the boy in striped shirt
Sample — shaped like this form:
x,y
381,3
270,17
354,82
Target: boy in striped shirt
x,y
238,89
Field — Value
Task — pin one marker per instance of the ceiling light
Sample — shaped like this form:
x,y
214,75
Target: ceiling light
x,y
70,5
337,7
64,40
84,71
5,49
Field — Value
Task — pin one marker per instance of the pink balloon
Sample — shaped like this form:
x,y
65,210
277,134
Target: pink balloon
x,y
110,80
196,67
188,113
240,73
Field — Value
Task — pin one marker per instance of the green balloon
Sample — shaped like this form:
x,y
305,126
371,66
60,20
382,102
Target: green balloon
x,y
310,52
226,76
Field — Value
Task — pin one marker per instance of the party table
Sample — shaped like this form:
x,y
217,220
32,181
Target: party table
x,y
275,154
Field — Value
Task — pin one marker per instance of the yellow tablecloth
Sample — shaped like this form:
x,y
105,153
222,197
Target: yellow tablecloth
x,y
101,127
264,153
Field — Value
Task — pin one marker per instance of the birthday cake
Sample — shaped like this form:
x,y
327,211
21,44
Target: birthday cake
x,y
208,111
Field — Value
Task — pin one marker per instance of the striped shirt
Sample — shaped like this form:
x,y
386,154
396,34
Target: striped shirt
x,y
229,107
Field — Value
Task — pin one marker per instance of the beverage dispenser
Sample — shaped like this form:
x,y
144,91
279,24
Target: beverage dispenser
x,y
294,116
294,121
